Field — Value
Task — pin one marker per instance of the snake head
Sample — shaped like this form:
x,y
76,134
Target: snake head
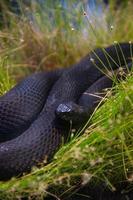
x,y
71,111
66,111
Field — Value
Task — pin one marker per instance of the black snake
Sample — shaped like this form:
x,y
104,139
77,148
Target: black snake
x,y
31,128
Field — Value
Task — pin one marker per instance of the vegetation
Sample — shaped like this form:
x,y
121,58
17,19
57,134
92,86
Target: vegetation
x,y
59,37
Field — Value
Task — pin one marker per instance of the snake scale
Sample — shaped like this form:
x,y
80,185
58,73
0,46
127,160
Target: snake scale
x,y
31,128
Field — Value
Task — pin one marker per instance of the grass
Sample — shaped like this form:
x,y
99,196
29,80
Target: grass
x,y
6,82
52,41
104,151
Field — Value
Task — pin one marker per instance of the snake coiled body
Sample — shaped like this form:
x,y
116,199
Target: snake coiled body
x,y
30,130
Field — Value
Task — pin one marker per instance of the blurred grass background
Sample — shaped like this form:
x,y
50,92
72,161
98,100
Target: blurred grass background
x,y
49,36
